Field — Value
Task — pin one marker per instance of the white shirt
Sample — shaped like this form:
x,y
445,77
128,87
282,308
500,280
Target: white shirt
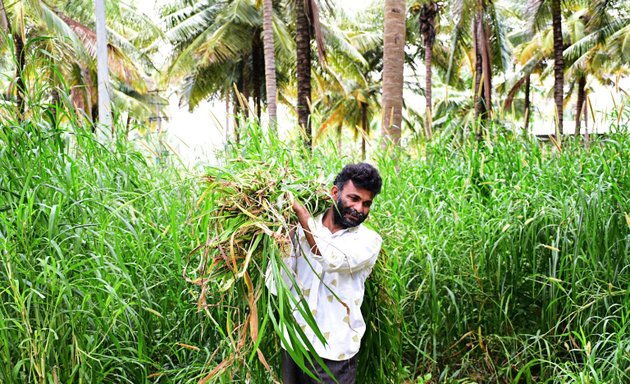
x,y
333,285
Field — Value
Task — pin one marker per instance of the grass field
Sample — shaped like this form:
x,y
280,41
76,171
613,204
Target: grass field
x,y
503,261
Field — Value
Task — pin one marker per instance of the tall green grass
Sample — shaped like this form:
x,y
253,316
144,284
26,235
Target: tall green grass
x,y
515,259
93,238
503,261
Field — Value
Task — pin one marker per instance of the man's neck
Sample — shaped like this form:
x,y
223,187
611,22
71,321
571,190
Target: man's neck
x,y
329,221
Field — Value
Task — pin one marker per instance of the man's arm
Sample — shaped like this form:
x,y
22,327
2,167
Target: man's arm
x,y
303,217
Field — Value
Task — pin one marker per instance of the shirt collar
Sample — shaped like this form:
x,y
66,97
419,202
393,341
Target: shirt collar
x,y
320,222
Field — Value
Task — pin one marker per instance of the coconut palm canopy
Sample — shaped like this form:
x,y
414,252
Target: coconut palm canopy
x,y
484,49
62,34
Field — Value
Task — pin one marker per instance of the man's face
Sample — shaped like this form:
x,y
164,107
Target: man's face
x,y
352,205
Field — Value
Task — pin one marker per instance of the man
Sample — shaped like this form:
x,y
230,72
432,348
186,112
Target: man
x,y
332,256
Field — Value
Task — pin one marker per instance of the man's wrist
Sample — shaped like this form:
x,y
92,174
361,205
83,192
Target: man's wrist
x,y
298,208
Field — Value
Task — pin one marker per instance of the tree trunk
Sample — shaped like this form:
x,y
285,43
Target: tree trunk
x,y
19,70
258,64
586,134
558,48
227,115
486,65
236,105
579,108
4,20
18,42
104,107
483,69
244,90
393,57
527,102
480,106
303,48
429,13
364,128
270,62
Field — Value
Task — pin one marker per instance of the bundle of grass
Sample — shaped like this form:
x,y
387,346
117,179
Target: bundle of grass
x,y
248,220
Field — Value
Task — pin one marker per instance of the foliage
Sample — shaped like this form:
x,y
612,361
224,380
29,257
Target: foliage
x,y
218,45
505,259
60,41
514,259
247,213
92,247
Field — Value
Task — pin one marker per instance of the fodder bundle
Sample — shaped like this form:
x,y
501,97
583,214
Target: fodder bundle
x,y
248,217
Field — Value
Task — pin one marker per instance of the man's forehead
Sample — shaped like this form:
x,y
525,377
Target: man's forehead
x,y
349,188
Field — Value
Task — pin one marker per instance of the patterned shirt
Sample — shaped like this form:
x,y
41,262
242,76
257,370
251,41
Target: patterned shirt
x,y
333,284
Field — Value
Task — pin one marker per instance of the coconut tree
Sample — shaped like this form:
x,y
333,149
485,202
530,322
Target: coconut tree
x,y
393,62
270,61
479,32
15,26
218,51
350,105
307,26
540,11
596,49
71,44
303,51
214,47
483,63
424,15
558,69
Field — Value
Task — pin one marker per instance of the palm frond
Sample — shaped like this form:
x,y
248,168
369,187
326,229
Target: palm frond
x,y
460,38
284,43
312,10
537,14
339,42
63,27
129,100
229,42
188,23
500,44
593,40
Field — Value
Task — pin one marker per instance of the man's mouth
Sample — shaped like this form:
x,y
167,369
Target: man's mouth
x,y
354,217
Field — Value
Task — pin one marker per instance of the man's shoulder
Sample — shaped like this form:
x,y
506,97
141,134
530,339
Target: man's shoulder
x,y
366,231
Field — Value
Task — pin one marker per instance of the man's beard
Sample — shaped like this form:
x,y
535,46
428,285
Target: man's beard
x,y
339,215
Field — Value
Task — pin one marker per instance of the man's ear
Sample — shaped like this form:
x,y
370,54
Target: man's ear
x,y
334,192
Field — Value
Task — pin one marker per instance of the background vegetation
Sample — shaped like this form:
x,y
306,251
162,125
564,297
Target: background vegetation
x,y
505,258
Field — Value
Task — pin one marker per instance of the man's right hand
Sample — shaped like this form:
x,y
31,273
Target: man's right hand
x,y
297,207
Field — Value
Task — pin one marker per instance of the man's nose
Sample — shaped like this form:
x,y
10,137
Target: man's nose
x,y
359,207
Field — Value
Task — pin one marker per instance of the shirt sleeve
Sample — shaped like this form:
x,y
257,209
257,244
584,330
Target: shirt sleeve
x,y
347,255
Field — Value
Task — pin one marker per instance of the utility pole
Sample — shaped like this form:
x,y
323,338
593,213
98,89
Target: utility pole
x,y
104,125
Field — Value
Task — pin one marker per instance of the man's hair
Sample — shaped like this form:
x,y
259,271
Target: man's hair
x,y
363,175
